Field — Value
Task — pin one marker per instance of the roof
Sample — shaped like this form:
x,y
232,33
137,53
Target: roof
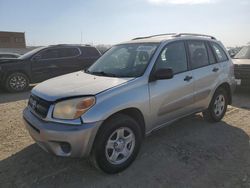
x,y
70,45
164,37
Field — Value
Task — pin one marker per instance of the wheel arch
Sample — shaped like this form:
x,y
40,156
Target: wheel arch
x,y
15,71
227,88
134,113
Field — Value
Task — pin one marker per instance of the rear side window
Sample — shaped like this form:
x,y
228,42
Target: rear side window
x,y
219,52
90,52
198,54
69,52
173,56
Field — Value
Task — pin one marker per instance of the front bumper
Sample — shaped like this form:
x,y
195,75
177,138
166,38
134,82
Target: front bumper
x,y
242,73
61,139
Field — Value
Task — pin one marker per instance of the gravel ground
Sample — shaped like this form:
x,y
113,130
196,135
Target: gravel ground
x,y
188,153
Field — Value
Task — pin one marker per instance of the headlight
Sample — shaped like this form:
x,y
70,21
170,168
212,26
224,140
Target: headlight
x,y
73,108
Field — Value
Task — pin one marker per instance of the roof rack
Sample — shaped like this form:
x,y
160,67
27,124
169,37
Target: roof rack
x,y
137,38
176,35
194,34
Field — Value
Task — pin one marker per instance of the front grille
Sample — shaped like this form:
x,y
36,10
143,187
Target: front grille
x,y
39,106
242,71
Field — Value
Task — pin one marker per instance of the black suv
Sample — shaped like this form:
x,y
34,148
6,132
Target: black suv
x,y
44,63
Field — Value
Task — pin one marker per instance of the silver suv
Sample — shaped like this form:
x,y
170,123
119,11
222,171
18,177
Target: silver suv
x,y
135,88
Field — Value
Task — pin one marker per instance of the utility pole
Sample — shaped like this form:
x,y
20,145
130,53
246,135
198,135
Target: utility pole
x,y
81,37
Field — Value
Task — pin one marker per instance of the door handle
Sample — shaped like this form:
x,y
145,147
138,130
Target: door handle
x,y
215,69
187,78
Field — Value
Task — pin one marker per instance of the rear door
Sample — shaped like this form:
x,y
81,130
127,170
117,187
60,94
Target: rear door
x,y
206,71
171,98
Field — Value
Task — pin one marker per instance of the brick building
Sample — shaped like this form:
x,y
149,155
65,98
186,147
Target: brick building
x,y
12,39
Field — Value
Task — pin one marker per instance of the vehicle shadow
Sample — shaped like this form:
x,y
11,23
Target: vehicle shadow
x,y
6,97
241,99
189,153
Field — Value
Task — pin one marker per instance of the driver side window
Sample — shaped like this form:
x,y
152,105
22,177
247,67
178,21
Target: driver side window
x,y
49,54
173,56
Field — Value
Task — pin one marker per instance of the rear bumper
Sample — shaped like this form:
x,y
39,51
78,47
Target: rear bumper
x,y
61,139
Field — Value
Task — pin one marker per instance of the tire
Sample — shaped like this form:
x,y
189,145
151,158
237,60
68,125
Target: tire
x,y
109,149
16,82
217,107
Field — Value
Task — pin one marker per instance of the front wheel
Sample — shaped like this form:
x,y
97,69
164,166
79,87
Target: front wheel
x,y
217,107
117,144
16,82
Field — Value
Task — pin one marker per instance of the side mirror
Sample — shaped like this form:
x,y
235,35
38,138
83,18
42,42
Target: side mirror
x,y
162,74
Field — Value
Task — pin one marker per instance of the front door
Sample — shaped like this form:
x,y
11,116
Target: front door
x,y
171,98
54,62
45,65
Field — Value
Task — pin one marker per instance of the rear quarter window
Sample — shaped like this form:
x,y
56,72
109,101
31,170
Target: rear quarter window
x,y
219,52
90,52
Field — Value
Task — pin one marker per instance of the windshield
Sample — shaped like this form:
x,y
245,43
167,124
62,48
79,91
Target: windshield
x,y
30,53
125,60
244,53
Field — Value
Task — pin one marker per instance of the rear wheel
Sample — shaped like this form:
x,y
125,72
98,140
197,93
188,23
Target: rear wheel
x,y
217,107
16,82
117,144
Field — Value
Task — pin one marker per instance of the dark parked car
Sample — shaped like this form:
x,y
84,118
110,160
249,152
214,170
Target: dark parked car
x,y
9,55
242,67
44,63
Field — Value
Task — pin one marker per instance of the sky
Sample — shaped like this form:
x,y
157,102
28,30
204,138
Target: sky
x,y
48,22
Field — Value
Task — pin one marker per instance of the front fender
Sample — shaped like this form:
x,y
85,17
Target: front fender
x,y
131,95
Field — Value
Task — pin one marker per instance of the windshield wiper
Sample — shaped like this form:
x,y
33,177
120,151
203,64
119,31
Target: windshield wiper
x,y
102,73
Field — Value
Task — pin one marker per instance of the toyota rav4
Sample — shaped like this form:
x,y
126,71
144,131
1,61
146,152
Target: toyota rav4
x,y
136,87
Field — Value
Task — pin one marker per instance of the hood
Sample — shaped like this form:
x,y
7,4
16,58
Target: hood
x,y
75,84
241,61
8,60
